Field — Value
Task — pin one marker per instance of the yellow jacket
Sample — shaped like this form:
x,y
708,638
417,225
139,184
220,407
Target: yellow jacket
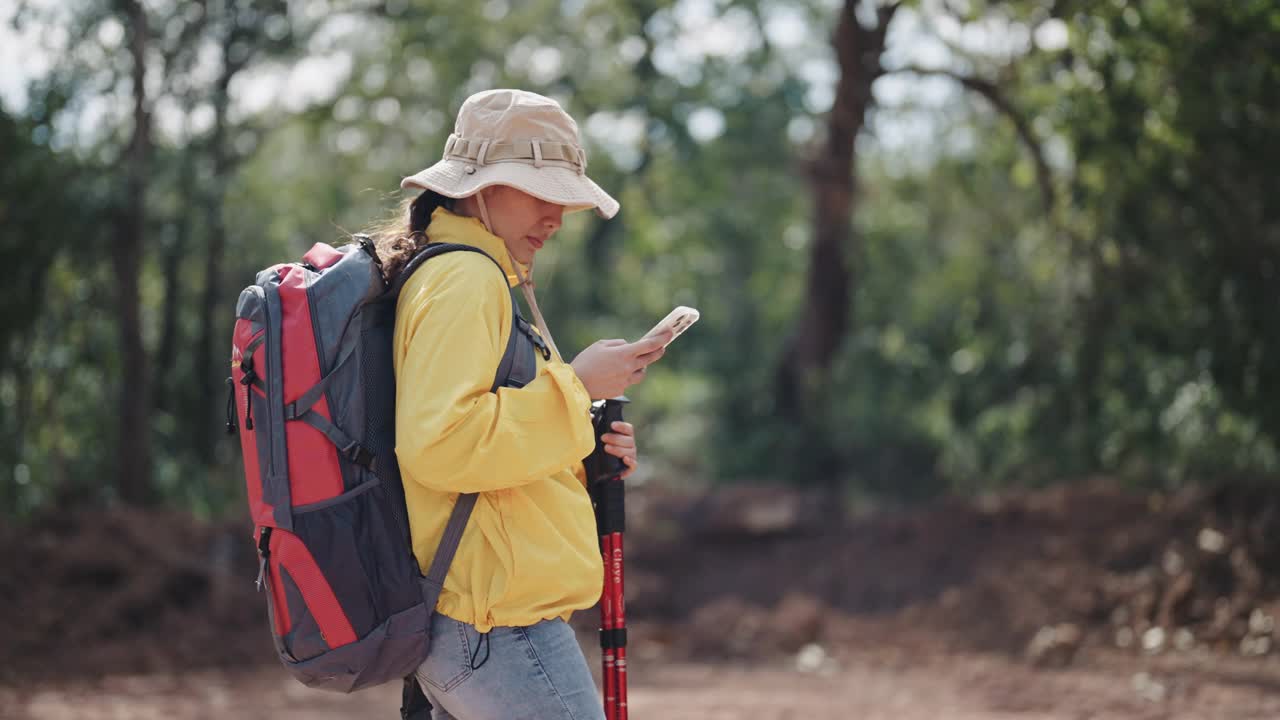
x,y
530,551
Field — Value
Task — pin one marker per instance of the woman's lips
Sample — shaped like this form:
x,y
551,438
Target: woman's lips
x,y
535,242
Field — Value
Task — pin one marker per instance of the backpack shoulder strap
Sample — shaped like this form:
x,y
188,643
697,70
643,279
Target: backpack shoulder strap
x,y
433,583
438,249
426,253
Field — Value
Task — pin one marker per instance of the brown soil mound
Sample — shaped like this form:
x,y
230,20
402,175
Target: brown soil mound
x,y
742,573
127,591
1041,572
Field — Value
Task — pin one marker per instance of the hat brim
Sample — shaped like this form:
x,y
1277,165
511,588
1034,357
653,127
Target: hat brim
x,y
553,183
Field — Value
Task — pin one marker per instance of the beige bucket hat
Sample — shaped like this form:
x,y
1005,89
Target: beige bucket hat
x,y
516,138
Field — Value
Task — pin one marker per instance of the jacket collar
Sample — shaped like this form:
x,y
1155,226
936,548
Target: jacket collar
x,y
447,227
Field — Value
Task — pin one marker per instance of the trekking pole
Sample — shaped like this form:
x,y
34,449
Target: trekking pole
x,y
607,491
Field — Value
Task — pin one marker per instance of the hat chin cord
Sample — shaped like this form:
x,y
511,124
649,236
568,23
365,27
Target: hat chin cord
x,y
526,281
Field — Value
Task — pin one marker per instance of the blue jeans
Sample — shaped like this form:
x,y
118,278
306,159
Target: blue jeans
x,y
535,673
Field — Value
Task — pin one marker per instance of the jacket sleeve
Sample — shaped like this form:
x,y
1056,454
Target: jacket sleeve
x,y
452,433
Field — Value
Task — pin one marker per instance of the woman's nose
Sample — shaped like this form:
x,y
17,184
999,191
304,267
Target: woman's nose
x,y
552,220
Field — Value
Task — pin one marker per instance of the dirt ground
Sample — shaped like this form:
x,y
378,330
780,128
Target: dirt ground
x,y
1074,602
871,685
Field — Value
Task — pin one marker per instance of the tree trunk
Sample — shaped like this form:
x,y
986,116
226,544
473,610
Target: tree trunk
x,y
824,319
133,447
171,396
212,318
801,384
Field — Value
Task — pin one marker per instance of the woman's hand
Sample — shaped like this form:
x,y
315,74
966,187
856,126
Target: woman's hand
x,y
621,443
608,367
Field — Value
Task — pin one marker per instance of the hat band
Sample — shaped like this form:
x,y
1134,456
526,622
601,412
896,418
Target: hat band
x,y
530,152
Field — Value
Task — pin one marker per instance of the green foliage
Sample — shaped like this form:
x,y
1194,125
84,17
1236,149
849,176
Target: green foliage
x,y
1129,330
51,339
1175,157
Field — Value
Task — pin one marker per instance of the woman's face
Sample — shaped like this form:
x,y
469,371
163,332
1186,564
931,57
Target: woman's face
x,y
524,222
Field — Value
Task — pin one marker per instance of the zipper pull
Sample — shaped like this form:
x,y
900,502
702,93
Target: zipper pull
x,y
264,551
231,407
250,377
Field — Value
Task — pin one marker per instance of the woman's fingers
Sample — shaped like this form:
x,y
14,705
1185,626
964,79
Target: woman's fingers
x,y
630,461
650,358
621,443
627,455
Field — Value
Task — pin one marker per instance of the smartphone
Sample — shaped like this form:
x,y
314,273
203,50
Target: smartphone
x,y
677,322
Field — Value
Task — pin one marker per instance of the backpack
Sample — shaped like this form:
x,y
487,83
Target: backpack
x,y
312,385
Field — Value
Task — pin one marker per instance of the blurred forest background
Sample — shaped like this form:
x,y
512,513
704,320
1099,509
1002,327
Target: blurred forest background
x,y
1004,270
938,246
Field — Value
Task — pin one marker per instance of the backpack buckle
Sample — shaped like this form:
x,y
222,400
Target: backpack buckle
x,y
359,455
534,337
366,244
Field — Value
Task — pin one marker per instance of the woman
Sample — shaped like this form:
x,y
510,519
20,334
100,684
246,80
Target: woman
x,y
501,646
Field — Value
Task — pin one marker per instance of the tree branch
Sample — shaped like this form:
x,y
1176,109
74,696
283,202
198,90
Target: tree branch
x,y
186,44
885,13
1002,104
